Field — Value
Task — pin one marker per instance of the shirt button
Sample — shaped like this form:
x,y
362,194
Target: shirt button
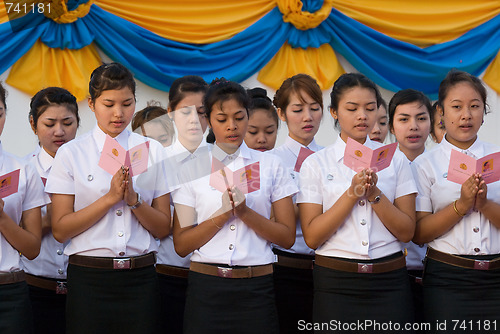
x,y
329,177
59,252
231,247
120,234
475,229
477,250
364,243
232,227
121,253
361,203
90,178
60,271
363,222
119,212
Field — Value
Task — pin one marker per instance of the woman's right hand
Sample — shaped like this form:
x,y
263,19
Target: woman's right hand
x,y
359,184
468,194
117,186
227,208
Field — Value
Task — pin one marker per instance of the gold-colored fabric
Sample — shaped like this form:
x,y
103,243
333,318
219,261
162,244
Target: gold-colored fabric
x,y
320,63
492,75
292,12
59,11
191,21
420,22
42,67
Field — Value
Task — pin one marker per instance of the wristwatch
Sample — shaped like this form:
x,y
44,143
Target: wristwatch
x,y
138,203
375,200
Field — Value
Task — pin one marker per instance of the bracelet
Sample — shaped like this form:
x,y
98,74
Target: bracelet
x,y
213,221
456,210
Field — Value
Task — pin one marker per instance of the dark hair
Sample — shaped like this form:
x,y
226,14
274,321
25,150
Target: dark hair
x,y
3,95
296,84
221,90
183,85
260,100
455,77
108,77
347,81
210,136
153,111
434,112
52,96
406,96
381,103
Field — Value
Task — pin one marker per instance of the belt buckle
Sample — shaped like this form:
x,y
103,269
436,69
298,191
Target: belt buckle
x,y
365,268
61,288
225,272
121,263
481,264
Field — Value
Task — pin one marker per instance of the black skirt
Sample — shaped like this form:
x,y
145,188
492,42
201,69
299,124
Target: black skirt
x,y
216,305
15,309
173,301
112,301
369,301
49,311
466,300
294,294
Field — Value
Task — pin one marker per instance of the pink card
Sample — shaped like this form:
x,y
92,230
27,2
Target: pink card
x,y
303,154
358,156
463,166
114,156
247,178
9,183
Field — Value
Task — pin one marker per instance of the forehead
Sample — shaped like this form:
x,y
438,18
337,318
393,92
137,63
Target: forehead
x,y
412,108
300,97
360,95
463,91
261,117
56,112
230,106
122,94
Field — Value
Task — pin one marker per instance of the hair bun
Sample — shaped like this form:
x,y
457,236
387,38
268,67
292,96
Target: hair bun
x,y
257,92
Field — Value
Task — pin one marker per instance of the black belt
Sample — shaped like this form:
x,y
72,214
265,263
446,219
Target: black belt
x,y
59,287
361,267
113,262
12,277
462,262
172,271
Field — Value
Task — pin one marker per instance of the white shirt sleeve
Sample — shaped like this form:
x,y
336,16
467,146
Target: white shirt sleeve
x,y
310,182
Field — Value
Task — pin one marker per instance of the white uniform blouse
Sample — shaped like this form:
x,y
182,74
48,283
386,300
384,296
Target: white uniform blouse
x,y
416,253
288,152
29,195
76,172
324,178
235,243
177,156
474,234
51,262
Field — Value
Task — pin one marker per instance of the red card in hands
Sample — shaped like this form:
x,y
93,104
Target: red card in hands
x,y
462,166
114,156
247,178
358,156
9,183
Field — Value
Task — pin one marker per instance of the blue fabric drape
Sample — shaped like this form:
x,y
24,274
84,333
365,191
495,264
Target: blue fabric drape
x,y
158,61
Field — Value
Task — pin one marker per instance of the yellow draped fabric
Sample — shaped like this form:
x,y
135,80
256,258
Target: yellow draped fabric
x,y
292,12
3,13
42,67
191,21
59,11
492,75
420,22
320,63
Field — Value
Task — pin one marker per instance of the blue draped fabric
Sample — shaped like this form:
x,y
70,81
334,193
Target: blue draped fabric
x,y
157,61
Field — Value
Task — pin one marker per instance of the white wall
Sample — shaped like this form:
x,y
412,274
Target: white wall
x,y
18,138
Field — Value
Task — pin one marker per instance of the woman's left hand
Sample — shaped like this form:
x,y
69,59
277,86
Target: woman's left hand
x,y
371,184
2,203
130,196
481,194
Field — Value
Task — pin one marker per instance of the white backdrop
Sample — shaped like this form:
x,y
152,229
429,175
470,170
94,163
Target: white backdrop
x,y
18,138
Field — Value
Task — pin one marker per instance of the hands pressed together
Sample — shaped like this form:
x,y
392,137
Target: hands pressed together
x,y
121,187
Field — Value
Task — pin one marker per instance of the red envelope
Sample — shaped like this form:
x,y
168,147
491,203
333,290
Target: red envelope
x,y
247,178
114,156
462,166
303,154
358,156
9,183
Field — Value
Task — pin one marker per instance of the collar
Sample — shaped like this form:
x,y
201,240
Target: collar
x,y
476,150
242,151
100,138
181,153
45,160
295,146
